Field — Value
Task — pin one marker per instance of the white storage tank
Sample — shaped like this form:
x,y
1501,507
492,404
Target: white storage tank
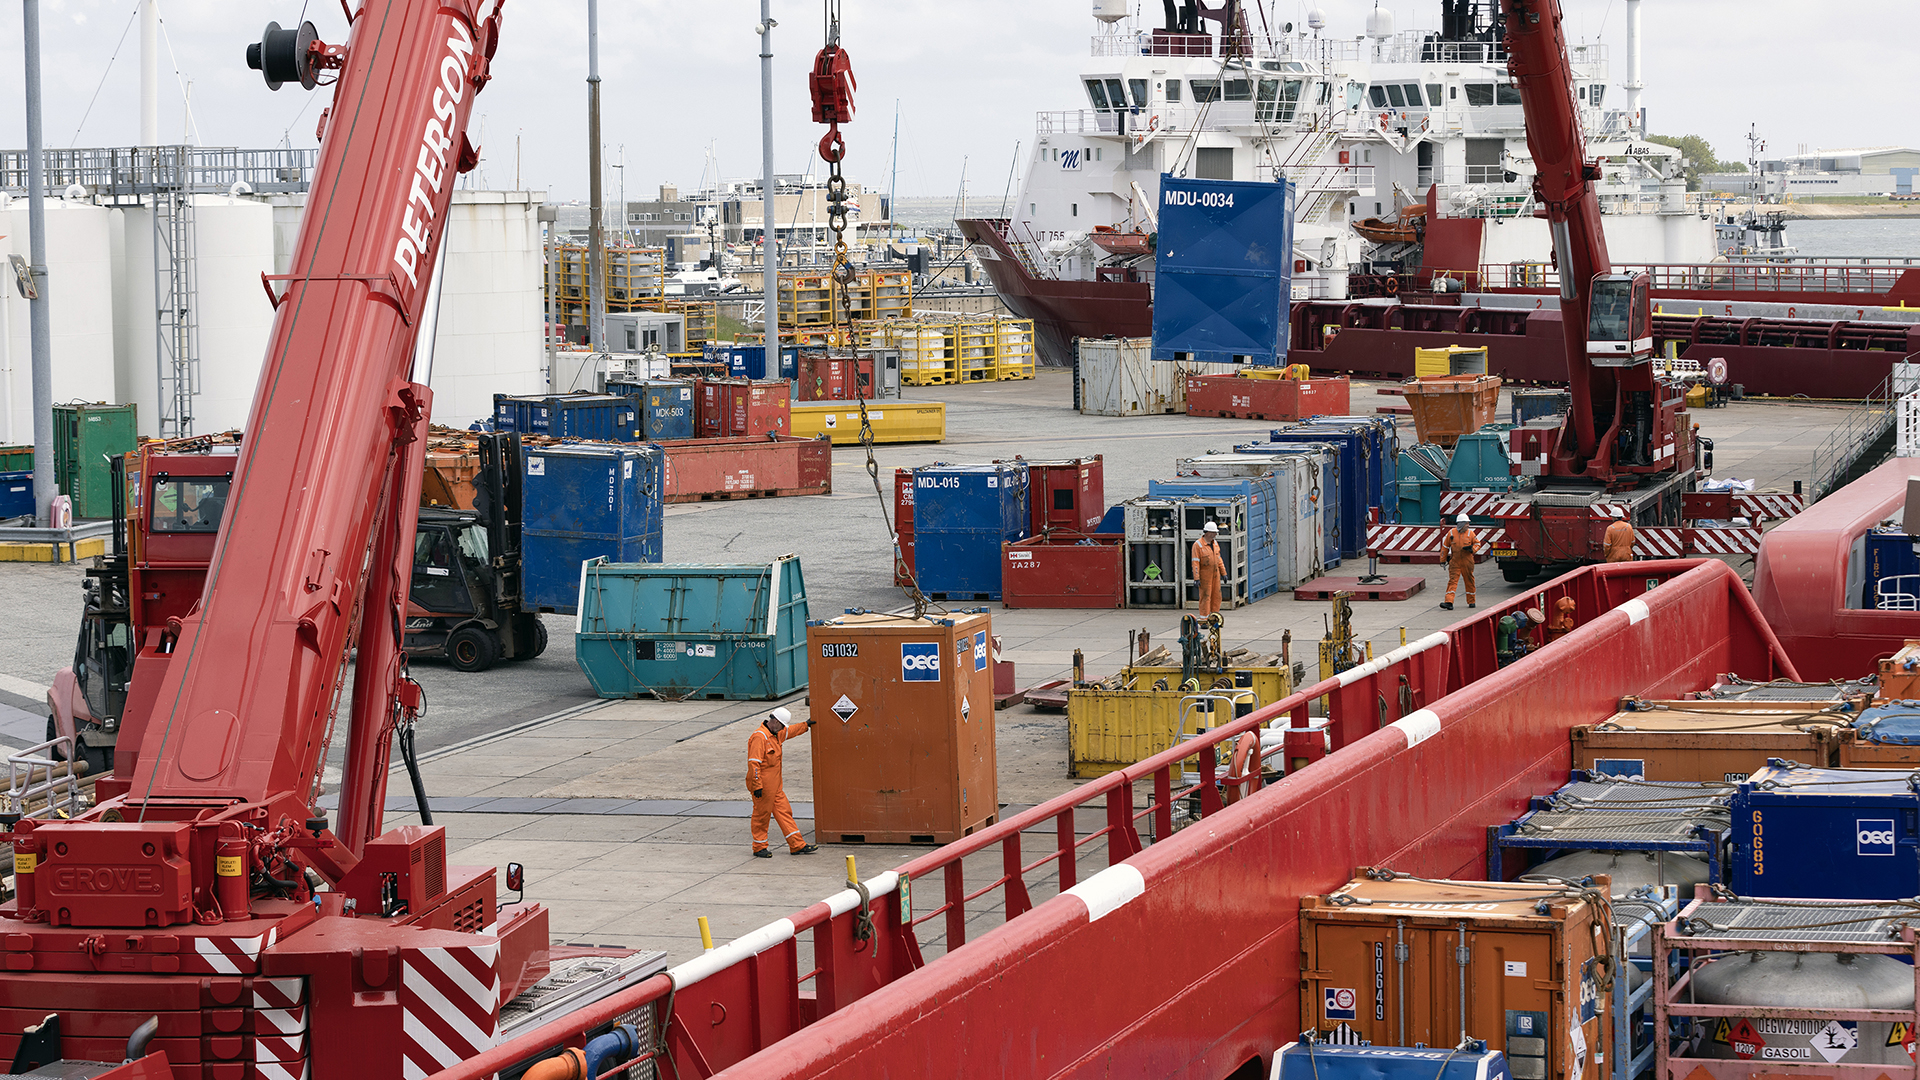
x,y
1810,981
80,287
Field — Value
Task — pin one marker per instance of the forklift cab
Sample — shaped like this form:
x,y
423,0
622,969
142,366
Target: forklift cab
x,y
1620,320
449,602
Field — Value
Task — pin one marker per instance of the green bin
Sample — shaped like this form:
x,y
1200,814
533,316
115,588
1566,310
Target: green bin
x,y
16,459
85,440
693,632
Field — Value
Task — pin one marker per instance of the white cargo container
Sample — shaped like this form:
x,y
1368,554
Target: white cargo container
x,y
1119,377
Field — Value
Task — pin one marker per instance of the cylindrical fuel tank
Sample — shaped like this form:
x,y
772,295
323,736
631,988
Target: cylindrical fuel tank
x,y
1804,981
1629,870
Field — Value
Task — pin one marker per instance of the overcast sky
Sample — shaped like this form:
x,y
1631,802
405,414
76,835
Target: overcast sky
x,y
681,79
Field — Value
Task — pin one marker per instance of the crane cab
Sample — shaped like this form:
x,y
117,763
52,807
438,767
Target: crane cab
x,y
1620,320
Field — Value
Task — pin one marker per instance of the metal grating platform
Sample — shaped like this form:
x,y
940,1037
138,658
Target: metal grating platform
x,y
1762,920
1632,795
1616,826
1788,691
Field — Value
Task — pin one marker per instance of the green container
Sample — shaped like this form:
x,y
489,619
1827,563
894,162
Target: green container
x,y
16,459
692,632
85,440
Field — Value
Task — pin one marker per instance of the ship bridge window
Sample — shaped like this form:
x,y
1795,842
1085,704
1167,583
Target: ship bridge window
x,y
1396,97
1433,95
1098,93
1479,93
1239,90
1278,100
1205,90
1506,94
1139,88
1116,95
1377,95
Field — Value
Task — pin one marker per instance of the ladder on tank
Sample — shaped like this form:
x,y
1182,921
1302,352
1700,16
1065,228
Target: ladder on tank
x,y
176,320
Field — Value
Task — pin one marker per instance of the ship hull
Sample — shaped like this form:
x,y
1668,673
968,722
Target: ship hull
x,y
1061,310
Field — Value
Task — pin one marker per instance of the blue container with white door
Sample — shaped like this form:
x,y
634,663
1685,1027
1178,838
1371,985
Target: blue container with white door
x,y
1263,503
526,415
1844,834
961,516
1333,493
1383,457
586,501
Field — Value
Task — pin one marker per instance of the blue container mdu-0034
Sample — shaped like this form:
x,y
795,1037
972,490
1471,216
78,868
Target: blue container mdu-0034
x,y
961,516
688,632
586,502
1846,834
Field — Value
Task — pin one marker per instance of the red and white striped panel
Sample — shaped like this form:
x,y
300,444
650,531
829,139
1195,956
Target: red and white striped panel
x,y
1481,504
1660,543
1392,540
1728,541
450,1001
280,1029
281,1050
227,955
1768,504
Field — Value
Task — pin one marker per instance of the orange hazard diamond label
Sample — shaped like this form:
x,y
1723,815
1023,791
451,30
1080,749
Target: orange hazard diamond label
x,y
1746,1042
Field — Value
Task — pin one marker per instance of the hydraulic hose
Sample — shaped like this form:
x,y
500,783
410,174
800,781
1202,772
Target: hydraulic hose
x,y
413,773
576,1063
142,1035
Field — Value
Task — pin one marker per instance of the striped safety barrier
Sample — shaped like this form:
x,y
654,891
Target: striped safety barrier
x,y
1403,541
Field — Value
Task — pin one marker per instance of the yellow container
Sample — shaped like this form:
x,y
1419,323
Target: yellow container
x,y
1108,730
893,422
53,553
1449,360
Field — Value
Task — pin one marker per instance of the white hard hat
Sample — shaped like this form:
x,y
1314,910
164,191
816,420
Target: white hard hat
x,y
1462,520
780,716
1211,527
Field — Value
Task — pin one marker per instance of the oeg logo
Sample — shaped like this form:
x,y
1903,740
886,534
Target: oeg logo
x,y
1874,837
920,662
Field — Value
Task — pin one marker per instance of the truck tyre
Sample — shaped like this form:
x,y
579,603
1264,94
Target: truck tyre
x,y
529,637
1518,570
471,648
99,759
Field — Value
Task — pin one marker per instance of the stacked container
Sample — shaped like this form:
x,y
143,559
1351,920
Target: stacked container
x,y
1380,458
962,514
728,408
596,417
667,407
584,502
750,361
1411,962
16,481
1069,495
1845,834
1258,502
903,742
1328,495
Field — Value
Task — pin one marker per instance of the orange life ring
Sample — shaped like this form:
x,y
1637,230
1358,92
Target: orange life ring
x,y
1393,285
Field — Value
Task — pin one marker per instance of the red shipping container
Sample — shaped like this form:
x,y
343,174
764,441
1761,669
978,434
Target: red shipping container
x,y
1068,495
1077,572
703,469
835,378
758,407
1265,399
710,408
903,524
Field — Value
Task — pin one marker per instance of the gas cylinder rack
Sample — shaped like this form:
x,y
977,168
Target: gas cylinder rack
x,y
1793,954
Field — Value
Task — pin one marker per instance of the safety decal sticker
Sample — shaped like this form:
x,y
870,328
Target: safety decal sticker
x,y
1340,1002
980,651
1835,1039
966,708
845,708
1746,1042
536,466
832,420
697,649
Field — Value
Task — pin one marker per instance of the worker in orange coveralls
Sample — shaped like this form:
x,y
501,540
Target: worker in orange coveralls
x,y
1207,568
1458,549
769,792
1618,541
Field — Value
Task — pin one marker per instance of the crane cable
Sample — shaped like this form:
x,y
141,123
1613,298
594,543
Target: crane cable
x,y
832,85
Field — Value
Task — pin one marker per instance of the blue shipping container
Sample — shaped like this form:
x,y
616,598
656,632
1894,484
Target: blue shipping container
x,y
1534,404
1333,1061
1357,486
1262,498
1848,834
16,494
1890,554
750,361
1223,271
666,407
598,417
690,632
1379,456
586,502
526,415
961,516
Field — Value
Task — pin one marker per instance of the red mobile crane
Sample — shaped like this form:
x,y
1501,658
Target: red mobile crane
x,y
1624,449
207,903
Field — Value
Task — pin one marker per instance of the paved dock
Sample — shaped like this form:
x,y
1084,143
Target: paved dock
x,y
630,815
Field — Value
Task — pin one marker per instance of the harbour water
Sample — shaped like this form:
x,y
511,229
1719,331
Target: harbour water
x,y
1856,238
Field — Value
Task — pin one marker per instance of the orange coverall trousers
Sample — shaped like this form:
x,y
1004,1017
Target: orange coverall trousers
x,y
1459,549
1207,568
763,775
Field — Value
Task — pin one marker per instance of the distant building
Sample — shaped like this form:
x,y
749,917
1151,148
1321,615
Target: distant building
x,y
1870,170
680,224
